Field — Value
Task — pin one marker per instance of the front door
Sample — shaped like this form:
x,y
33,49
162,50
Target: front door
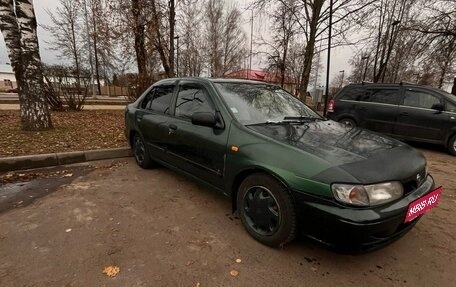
x,y
198,150
417,120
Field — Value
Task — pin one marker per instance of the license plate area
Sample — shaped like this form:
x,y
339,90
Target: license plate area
x,y
423,204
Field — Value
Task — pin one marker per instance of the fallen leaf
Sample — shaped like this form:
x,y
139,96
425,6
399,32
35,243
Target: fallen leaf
x,y
68,230
111,271
238,260
234,273
313,269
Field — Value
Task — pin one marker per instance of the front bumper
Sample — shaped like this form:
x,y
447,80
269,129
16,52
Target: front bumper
x,y
356,229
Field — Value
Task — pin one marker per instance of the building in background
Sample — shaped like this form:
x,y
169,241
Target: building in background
x,y
7,78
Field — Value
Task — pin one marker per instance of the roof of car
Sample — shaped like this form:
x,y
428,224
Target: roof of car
x,y
216,80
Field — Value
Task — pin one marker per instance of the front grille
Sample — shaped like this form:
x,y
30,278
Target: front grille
x,y
414,182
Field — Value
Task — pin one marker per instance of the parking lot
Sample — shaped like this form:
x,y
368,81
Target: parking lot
x,y
63,227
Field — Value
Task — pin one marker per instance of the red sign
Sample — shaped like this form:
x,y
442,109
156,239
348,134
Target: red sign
x,y
423,204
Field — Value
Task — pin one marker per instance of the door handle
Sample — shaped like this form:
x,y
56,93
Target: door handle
x,y
404,114
171,129
139,118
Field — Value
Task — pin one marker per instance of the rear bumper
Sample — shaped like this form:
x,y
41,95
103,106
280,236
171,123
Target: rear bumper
x,y
356,229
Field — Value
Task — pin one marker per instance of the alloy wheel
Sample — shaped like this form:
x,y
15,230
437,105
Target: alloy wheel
x,y
262,211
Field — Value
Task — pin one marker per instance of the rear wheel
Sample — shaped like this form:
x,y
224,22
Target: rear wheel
x,y
266,210
452,145
348,122
141,155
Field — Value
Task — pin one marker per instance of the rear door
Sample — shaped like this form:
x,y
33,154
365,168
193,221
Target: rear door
x,y
417,120
198,150
154,117
379,108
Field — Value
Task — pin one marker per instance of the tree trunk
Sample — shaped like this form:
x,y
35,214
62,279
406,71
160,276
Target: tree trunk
x,y
140,47
453,90
172,17
18,25
76,57
158,42
310,47
95,9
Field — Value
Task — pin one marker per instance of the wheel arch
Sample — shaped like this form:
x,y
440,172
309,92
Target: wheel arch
x,y
348,116
131,137
451,134
244,174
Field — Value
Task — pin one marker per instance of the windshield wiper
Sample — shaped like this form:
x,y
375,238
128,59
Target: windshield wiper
x,y
267,123
302,118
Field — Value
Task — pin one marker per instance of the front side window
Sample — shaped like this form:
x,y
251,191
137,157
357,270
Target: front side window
x,y
192,98
420,99
383,96
257,103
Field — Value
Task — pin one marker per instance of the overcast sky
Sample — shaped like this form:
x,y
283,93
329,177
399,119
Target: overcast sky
x,y
340,56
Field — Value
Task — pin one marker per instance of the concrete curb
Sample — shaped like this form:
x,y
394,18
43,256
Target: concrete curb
x,y
61,158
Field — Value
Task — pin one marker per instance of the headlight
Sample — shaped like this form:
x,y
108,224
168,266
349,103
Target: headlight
x,y
367,195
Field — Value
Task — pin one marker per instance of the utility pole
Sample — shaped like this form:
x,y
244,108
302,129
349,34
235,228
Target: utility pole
x,y
329,56
365,58
177,55
251,46
90,48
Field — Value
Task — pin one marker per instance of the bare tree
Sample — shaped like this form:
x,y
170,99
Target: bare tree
x,y
312,17
66,30
224,37
18,26
284,29
214,24
234,40
191,55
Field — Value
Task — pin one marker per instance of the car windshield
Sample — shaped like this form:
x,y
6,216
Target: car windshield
x,y
260,104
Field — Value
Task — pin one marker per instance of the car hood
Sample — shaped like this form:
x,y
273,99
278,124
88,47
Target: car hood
x,y
354,151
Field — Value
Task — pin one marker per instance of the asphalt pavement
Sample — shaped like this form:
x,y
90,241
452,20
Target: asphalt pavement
x,y
162,229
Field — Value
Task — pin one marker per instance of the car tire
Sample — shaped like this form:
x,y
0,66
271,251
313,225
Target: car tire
x,y
140,152
266,210
452,145
348,122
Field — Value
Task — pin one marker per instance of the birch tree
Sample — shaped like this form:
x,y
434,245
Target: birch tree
x,y
18,26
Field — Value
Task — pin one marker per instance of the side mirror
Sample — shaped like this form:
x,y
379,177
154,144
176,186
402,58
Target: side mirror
x,y
204,119
438,107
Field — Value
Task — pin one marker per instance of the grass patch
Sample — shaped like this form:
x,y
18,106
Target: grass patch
x,y
73,131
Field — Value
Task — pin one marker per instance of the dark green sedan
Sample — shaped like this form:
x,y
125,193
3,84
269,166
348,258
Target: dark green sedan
x,y
285,168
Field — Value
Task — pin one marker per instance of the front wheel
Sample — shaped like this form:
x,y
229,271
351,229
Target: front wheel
x,y
141,155
266,210
452,145
348,122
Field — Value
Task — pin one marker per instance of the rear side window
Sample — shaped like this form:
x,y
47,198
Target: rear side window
x,y
192,98
382,96
420,99
158,99
354,94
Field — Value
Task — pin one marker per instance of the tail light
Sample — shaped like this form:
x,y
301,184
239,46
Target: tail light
x,y
331,106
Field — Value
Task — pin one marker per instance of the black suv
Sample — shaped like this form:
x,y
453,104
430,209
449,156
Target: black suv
x,y
405,111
